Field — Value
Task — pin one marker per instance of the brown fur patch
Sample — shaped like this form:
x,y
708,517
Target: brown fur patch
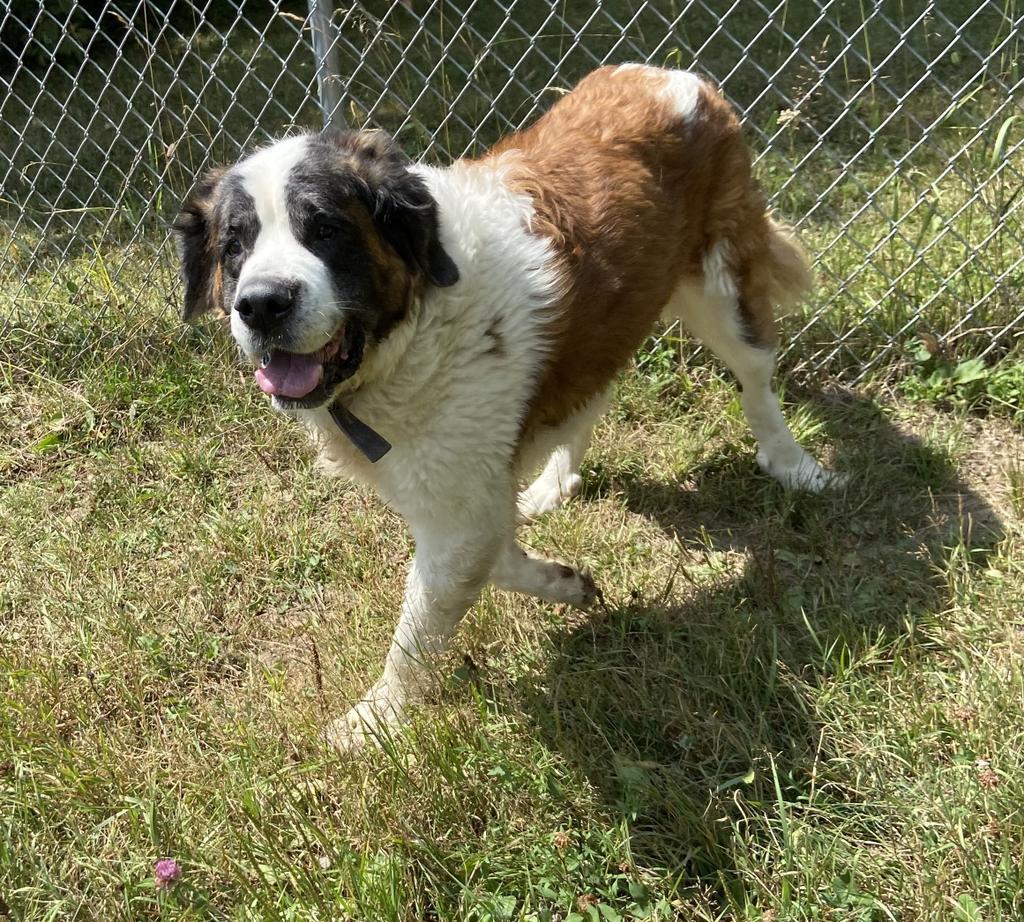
x,y
633,197
199,233
394,284
216,276
494,337
401,204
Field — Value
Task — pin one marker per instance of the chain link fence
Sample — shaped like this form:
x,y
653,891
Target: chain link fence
x,y
889,133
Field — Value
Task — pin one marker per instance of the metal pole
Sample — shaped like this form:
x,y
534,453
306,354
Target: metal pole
x,y
327,77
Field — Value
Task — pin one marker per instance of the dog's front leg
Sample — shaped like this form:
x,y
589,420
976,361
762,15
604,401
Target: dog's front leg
x,y
453,559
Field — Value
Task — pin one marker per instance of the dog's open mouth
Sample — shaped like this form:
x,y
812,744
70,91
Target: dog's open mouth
x,y
308,379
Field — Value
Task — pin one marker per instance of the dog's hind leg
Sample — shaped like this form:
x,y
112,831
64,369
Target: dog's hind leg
x,y
559,481
711,309
516,570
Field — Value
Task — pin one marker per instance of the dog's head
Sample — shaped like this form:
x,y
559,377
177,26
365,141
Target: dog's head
x,y
314,248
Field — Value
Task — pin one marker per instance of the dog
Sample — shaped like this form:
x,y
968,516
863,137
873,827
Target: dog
x,y
445,333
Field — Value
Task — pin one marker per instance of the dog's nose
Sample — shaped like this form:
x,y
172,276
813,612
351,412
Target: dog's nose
x,y
266,305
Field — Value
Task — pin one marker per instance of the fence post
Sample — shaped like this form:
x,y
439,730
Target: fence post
x,y
327,77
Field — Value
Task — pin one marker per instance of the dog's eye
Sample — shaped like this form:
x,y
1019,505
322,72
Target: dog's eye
x,y
233,247
325,231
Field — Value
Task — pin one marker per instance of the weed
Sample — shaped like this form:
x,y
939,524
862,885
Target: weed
x,y
970,383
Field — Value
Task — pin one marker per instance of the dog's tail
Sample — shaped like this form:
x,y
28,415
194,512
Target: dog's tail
x,y
771,274
749,254
783,274
788,266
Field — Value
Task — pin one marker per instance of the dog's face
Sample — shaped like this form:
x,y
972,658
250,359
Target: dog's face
x,y
313,248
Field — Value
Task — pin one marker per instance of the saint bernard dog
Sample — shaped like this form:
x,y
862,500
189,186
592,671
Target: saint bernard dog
x,y
444,333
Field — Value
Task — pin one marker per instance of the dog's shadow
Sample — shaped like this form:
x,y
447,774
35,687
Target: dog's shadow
x,y
671,705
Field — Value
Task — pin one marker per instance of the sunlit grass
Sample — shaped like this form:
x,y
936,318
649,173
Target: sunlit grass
x,y
792,707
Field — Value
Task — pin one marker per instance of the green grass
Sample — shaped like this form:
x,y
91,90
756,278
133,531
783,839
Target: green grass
x,y
792,707
784,708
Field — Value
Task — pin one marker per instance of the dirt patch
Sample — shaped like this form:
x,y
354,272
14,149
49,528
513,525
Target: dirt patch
x,y
989,449
996,447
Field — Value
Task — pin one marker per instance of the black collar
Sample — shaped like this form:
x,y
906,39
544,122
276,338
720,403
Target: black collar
x,y
369,442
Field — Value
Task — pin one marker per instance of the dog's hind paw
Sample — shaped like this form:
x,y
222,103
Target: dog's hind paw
x,y
545,494
804,474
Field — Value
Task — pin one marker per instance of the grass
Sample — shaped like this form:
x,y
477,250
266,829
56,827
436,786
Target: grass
x,y
792,708
802,705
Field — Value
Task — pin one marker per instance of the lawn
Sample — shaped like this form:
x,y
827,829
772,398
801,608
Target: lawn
x,y
790,707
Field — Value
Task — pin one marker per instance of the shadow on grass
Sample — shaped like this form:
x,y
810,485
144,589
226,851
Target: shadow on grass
x,y
693,713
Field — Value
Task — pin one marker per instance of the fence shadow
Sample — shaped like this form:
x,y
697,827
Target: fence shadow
x,y
669,704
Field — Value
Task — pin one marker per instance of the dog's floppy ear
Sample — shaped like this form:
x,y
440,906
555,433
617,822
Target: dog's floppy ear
x,y
403,208
196,231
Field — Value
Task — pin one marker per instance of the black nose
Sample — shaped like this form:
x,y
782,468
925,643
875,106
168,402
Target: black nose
x,y
266,305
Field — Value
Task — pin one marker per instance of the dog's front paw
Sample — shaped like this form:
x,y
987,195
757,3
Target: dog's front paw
x,y
367,722
575,587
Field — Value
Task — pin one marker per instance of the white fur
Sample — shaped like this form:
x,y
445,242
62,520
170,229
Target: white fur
x,y
709,309
719,281
564,448
681,87
264,176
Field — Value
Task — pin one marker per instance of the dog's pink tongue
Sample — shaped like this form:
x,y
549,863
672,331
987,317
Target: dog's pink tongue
x,y
289,374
